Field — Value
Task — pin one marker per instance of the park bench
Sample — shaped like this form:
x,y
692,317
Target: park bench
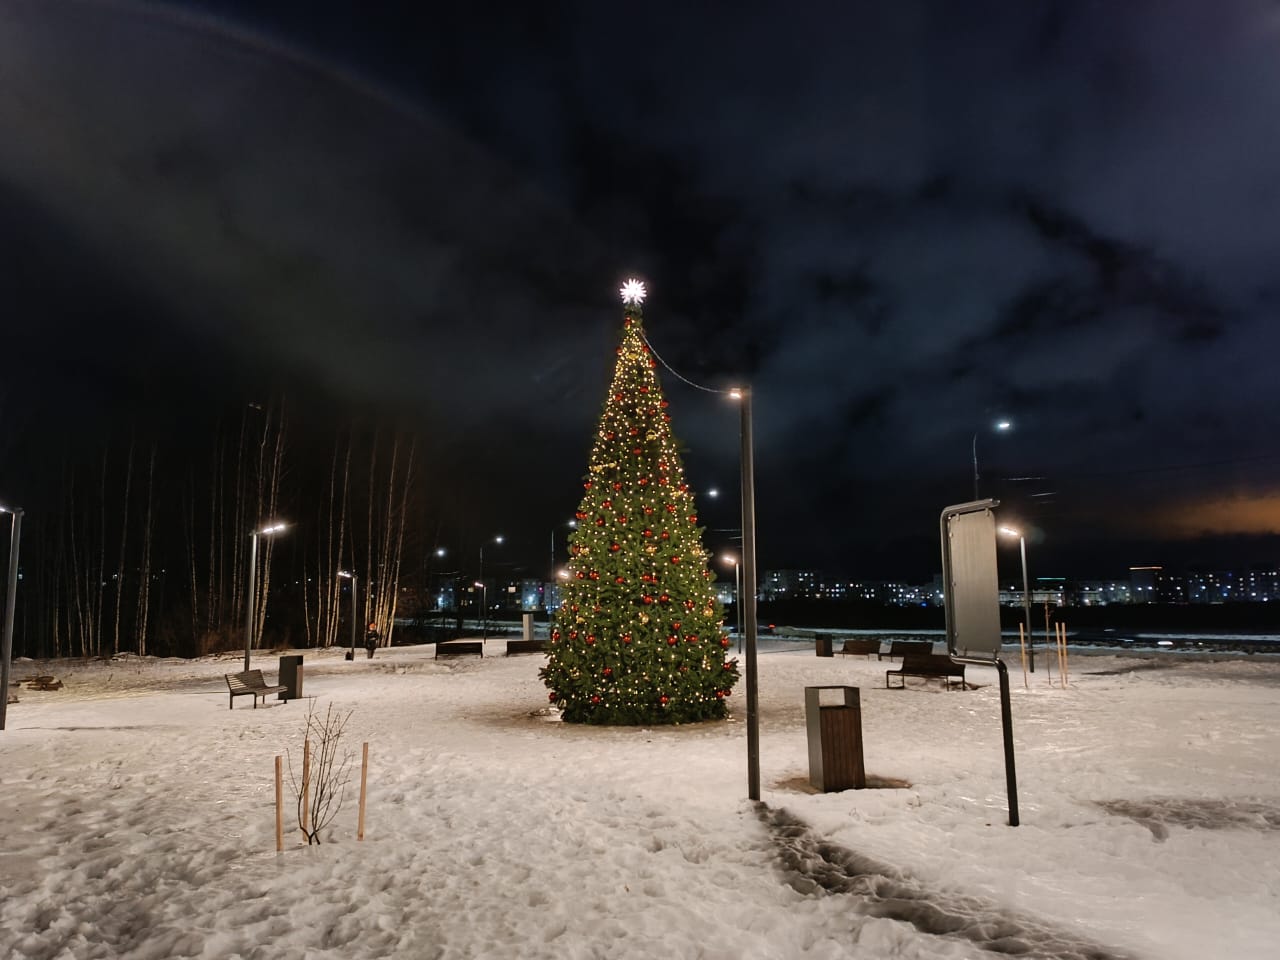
x,y
249,683
861,647
524,646
43,683
926,665
900,648
457,648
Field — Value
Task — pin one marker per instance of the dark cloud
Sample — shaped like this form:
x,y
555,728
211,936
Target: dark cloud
x,y
896,220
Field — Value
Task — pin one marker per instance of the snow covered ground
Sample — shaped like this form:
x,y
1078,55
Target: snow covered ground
x,y
136,818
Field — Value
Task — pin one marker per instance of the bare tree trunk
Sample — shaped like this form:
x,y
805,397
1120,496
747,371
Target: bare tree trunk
x,y
124,540
142,616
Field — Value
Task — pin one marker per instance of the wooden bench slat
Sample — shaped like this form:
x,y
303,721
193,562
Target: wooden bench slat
x,y
926,665
250,682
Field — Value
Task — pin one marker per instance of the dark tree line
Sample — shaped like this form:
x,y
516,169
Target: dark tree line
x,y
143,546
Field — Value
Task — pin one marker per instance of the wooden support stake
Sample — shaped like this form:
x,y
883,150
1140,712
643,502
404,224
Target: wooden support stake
x,y
1048,663
1062,653
279,810
305,821
1022,645
364,776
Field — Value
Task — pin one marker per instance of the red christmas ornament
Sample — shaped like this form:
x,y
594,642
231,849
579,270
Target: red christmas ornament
x,y
643,481
666,417
610,435
594,575
595,698
636,451
724,642
617,486
617,397
664,404
552,696
591,639
607,504
622,519
644,389
676,625
664,597
693,518
634,431
580,575
671,507
648,532
626,638
580,515
719,694
688,604
615,547
586,485
664,699
608,671
728,665
675,559
599,521
647,599
573,634
555,634
652,362
648,511
672,641
619,579
663,482
693,638
666,535
684,487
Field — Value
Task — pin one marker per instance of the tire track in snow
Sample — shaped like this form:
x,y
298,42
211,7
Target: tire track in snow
x,y
814,866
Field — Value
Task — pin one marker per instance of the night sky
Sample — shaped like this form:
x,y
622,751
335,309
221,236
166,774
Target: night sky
x,y
898,222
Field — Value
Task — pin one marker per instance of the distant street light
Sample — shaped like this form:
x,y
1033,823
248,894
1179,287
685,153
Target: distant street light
x,y
572,525
1000,426
348,575
484,610
6,652
737,594
250,598
1026,592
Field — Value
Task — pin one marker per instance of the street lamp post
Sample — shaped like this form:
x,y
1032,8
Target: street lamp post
x,y
737,595
484,610
6,653
743,396
1001,426
546,600
250,597
348,575
1026,592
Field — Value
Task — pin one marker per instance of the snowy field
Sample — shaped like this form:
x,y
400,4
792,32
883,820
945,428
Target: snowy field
x,y
136,818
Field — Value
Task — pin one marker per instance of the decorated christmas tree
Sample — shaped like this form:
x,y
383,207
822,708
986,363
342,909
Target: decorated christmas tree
x,y
638,637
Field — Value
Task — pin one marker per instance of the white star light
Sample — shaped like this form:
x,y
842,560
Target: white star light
x,y
633,291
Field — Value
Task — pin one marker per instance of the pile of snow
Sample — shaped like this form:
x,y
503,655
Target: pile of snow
x,y
137,817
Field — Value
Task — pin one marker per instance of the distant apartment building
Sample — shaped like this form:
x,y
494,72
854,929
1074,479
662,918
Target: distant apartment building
x,y
1101,593
784,584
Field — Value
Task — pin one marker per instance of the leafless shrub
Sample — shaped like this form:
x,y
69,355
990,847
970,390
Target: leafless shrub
x,y
326,771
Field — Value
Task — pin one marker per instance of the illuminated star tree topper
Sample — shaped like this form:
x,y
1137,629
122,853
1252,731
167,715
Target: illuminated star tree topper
x,y
633,292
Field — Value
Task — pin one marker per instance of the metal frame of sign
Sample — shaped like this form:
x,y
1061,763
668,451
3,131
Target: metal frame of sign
x,y
971,596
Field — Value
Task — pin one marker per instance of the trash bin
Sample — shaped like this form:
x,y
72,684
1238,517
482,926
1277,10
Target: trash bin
x,y
835,740
822,641
290,677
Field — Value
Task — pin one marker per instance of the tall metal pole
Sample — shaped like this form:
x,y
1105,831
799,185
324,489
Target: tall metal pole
x,y
6,655
737,599
1026,603
484,614
749,595
249,597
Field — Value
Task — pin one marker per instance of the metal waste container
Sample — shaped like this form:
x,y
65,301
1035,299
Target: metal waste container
x,y
835,740
822,641
290,677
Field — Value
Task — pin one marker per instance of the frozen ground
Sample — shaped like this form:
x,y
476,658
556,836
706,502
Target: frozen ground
x,y
136,818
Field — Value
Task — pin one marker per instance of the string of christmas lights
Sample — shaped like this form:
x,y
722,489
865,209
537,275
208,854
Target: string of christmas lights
x,y
638,637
